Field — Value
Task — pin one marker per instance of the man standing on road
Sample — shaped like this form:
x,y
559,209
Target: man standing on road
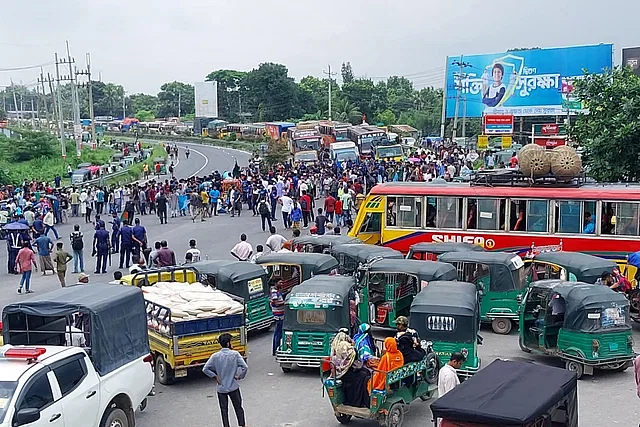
x,y
277,308
62,258
448,377
75,202
305,205
24,262
115,233
330,207
243,249
139,238
227,367
161,207
126,244
45,246
287,207
101,249
214,196
275,241
77,245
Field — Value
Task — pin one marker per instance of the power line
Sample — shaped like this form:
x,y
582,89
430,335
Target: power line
x,y
29,67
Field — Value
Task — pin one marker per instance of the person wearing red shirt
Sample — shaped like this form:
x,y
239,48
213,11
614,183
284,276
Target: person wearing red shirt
x,y
305,205
338,212
329,207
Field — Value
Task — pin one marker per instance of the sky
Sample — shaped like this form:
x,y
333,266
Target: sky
x,y
142,44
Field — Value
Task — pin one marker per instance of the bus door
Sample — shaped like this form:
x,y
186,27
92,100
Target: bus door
x,y
368,224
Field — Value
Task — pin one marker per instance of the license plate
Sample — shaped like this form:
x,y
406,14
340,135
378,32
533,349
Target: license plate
x,y
180,373
613,346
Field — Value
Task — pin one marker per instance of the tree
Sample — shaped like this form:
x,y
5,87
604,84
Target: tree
x,y
344,111
176,98
347,73
30,145
271,93
231,89
610,132
277,153
386,117
145,115
143,101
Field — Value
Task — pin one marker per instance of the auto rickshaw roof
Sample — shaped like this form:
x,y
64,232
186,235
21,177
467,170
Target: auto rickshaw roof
x,y
365,253
447,297
586,268
325,240
487,257
229,271
425,270
323,284
509,393
316,262
445,247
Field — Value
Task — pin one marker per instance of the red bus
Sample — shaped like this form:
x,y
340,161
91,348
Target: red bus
x,y
599,219
333,132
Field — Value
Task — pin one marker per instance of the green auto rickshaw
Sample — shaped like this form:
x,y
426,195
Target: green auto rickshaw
x,y
314,312
500,276
431,251
386,287
242,279
321,244
447,314
352,256
570,266
287,269
585,325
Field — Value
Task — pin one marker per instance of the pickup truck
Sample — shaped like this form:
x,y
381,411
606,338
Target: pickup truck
x,y
75,357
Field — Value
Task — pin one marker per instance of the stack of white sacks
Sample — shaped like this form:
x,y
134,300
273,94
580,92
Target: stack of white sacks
x,y
190,301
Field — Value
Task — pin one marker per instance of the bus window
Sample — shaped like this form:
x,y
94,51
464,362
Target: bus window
x,y
608,220
537,216
570,217
404,212
518,215
449,212
627,219
488,214
372,223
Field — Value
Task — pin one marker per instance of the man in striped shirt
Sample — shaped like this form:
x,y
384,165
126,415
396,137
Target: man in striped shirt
x,y
277,308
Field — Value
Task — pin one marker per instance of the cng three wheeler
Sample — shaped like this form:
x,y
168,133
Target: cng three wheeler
x,y
314,312
431,251
569,266
447,314
514,394
321,244
402,386
288,269
585,325
387,287
500,276
242,279
352,256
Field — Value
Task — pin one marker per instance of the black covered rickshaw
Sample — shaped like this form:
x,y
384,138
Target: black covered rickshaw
x,y
321,244
352,256
431,251
287,269
570,266
514,394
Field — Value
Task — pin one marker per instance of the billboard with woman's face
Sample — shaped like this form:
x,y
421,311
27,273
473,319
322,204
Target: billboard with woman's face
x,y
531,82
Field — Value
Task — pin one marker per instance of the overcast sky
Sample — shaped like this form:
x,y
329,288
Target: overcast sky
x,y
144,43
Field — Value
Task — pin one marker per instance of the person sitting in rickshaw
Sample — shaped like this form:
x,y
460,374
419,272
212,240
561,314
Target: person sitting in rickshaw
x,y
621,283
354,380
365,347
557,305
390,360
402,327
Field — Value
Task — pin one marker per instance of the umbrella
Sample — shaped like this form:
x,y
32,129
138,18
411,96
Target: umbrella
x,y
15,226
634,259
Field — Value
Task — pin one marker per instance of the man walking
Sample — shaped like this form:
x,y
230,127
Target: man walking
x,y
126,244
77,245
24,262
45,246
161,207
305,205
227,367
448,377
62,258
277,308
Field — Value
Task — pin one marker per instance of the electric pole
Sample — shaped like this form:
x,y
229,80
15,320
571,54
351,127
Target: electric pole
x,y
124,105
44,94
459,88
179,102
330,74
94,142
75,103
60,117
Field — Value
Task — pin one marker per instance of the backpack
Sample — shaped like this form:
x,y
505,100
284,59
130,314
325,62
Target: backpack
x,y
263,208
76,242
303,204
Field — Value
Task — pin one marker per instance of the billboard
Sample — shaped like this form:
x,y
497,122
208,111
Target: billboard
x,y
631,58
521,83
498,124
206,99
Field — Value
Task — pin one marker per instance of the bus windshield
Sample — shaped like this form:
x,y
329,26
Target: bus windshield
x,y
346,155
307,144
366,142
341,135
392,151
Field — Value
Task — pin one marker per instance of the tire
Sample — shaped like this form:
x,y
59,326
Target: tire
x,y
285,369
114,417
343,419
164,372
433,363
425,398
522,346
395,417
574,366
501,326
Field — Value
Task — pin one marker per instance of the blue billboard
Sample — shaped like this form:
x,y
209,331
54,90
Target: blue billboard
x,y
532,82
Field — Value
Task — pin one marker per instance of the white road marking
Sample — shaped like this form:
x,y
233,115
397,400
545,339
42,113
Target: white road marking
x,y
206,162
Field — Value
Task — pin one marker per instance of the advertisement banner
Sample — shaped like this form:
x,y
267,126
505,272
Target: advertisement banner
x,y
206,99
498,124
507,142
631,58
532,82
483,142
549,129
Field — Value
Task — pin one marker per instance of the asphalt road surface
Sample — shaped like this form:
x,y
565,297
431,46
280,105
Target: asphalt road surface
x,y
271,397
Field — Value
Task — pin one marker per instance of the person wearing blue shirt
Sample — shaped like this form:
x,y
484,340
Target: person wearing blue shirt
x,y
38,225
101,249
115,233
139,237
214,196
126,244
589,224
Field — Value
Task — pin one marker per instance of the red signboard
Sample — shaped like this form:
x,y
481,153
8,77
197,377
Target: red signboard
x,y
550,129
550,142
498,124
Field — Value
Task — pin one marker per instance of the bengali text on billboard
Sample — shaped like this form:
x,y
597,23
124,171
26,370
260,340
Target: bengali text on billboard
x,y
631,58
532,82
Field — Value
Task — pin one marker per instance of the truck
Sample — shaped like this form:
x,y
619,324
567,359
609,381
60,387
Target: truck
x,y
343,152
178,345
77,356
303,140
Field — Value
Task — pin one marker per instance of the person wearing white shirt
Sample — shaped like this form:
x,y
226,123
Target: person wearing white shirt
x,y
243,249
448,377
275,241
287,207
195,252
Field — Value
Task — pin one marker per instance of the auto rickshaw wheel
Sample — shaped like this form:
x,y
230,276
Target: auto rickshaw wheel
x,y
501,326
574,366
285,368
343,419
164,372
432,368
396,415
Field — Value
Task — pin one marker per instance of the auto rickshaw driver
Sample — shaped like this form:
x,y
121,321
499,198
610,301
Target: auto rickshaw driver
x,y
558,306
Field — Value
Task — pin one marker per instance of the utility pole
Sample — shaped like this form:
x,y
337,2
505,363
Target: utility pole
x,y
60,116
330,74
124,105
15,104
179,102
94,142
44,94
53,97
75,104
464,117
459,88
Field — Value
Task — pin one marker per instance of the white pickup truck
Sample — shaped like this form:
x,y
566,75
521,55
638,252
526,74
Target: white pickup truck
x,y
58,386
75,357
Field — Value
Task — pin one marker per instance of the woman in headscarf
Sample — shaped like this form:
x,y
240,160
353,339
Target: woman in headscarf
x,y
390,360
354,381
364,346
